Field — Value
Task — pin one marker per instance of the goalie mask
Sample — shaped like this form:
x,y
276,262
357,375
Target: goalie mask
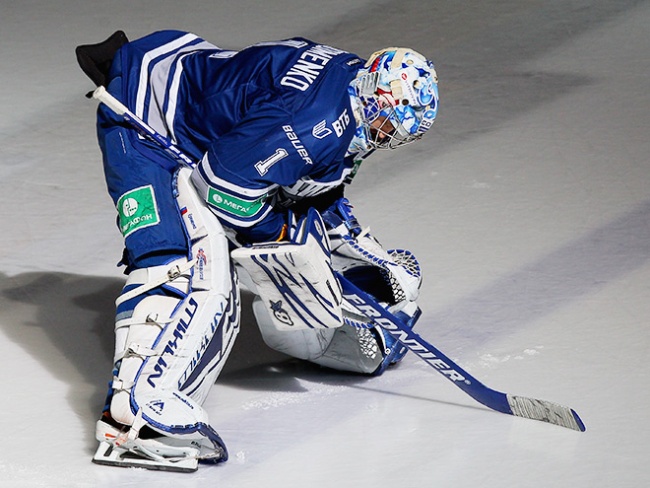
x,y
396,97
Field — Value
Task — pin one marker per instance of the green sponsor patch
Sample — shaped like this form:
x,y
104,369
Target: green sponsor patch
x,y
137,209
233,205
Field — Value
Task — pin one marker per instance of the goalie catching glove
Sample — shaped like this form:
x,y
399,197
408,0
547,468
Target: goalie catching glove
x,y
354,250
391,276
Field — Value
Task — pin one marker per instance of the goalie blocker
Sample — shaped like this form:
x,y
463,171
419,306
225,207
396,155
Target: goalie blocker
x,y
294,279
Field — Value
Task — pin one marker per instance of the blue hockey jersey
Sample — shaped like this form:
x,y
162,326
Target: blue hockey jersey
x,y
268,123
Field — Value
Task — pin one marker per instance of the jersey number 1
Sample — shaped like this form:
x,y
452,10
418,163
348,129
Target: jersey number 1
x,y
263,166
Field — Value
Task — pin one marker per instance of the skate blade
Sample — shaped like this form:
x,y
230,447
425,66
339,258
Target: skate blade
x,y
108,455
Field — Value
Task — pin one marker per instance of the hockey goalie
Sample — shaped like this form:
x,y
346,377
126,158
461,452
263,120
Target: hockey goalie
x,y
277,131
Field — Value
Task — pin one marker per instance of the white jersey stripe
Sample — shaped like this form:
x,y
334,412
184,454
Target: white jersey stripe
x,y
144,68
172,102
239,222
308,187
214,181
160,86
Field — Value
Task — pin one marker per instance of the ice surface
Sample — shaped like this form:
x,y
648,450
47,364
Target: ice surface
x,y
528,207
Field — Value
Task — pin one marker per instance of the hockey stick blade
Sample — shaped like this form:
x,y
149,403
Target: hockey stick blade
x,y
529,408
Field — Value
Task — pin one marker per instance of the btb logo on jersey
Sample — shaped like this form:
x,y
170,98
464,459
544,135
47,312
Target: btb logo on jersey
x,y
321,131
341,123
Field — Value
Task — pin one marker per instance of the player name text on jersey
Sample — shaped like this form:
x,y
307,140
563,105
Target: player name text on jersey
x,y
310,64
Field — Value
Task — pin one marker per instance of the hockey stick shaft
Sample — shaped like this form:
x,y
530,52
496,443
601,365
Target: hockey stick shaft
x,y
514,405
137,123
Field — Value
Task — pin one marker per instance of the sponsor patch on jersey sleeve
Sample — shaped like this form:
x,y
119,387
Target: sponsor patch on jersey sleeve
x,y
137,209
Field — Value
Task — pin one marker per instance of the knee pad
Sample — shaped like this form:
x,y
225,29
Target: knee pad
x,y
175,326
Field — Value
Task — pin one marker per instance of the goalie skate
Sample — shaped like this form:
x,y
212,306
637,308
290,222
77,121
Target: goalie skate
x,y
160,453
151,456
141,445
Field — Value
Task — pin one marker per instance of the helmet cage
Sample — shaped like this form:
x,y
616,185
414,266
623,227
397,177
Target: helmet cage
x,y
381,122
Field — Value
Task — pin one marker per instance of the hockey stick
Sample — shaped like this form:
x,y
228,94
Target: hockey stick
x,y
529,408
120,109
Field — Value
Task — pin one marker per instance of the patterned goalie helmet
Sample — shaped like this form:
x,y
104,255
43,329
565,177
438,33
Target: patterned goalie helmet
x,y
397,95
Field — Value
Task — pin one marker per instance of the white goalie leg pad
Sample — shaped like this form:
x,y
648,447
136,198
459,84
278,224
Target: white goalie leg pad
x,y
346,348
175,327
294,279
352,349
307,344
